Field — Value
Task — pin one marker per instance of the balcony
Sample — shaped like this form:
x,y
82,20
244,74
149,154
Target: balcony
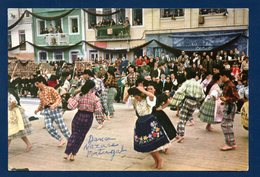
x,y
54,39
116,32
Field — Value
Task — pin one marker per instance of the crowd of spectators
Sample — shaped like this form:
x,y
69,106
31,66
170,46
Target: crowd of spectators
x,y
168,74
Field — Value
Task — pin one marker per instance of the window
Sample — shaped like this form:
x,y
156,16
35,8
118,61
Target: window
x,y
57,26
212,11
42,29
22,39
167,13
178,12
93,54
43,56
58,55
74,55
172,13
137,17
107,11
74,25
9,39
120,16
92,19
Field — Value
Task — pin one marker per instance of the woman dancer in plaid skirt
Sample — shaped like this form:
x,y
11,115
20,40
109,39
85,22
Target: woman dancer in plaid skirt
x,y
207,110
87,103
15,130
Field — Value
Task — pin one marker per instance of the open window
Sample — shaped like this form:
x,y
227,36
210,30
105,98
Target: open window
x,y
74,25
41,27
137,17
22,39
92,19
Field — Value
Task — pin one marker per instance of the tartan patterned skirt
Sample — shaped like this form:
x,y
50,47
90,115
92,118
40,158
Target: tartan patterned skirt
x,y
149,134
207,111
110,99
27,127
177,99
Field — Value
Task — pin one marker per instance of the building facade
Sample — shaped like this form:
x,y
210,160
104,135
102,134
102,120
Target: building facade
x,y
184,29
57,32
51,32
20,33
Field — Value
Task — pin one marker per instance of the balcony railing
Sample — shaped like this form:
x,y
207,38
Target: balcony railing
x,y
113,32
52,39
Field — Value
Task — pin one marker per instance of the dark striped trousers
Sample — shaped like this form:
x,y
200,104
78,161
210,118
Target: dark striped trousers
x,y
227,124
81,124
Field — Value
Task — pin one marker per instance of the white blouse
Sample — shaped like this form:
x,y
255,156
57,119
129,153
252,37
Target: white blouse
x,y
145,107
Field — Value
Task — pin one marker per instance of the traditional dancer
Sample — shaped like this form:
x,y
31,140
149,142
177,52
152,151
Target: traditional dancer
x,y
230,96
194,93
50,101
149,136
208,110
162,102
111,84
18,124
87,103
98,89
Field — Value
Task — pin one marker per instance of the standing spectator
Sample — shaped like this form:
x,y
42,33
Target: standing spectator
x,y
245,66
208,64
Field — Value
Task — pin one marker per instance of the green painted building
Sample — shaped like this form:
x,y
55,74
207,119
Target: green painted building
x,y
55,30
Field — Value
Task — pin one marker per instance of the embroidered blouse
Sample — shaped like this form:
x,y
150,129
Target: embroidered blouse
x,y
145,106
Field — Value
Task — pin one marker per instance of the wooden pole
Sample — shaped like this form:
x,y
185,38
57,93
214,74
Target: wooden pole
x,y
14,70
75,65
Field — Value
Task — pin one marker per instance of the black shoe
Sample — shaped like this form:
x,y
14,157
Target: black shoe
x,y
32,118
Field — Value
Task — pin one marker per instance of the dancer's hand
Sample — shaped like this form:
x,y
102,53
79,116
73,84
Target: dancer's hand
x,y
52,107
223,99
13,105
36,111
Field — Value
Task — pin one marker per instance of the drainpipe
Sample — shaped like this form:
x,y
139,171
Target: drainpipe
x,y
83,19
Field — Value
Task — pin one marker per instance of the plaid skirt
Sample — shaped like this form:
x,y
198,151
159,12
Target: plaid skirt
x,y
112,92
27,127
207,111
177,99
149,134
